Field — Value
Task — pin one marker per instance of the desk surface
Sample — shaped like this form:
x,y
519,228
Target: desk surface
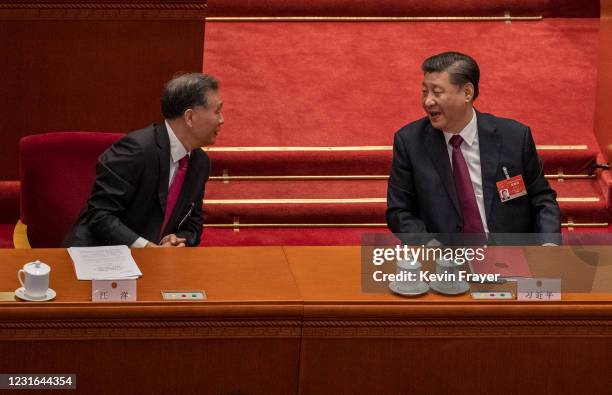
x,y
280,276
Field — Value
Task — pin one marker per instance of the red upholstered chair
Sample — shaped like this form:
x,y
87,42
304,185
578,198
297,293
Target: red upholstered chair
x,y
57,172
9,211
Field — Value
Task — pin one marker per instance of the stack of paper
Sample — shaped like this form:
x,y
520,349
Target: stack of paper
x,y
104,263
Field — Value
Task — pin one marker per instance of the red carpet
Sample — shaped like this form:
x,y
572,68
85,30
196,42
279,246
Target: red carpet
x,y
335,84
304,202
286,236
319,236
371,160
355,84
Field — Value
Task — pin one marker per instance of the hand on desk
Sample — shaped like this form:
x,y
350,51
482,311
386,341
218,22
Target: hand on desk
x,y
168,241
172,241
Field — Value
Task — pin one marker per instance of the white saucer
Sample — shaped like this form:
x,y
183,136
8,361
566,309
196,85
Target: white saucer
x,y
457,288
20,293
420,289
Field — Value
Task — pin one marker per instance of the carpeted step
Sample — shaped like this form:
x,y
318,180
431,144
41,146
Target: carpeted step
x,y
315,236
330,189
567,159
354,202
394,8
581,201
297,211
286,236
295,202
364,160
261,161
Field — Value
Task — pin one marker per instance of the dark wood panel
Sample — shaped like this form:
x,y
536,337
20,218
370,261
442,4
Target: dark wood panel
x,y
70,73
178,366
455,365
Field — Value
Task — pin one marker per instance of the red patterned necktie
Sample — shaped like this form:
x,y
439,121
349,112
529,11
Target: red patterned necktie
x,y
174,191
472,223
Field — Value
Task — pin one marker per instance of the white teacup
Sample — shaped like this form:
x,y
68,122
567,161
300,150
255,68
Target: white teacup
x,y
409,270
35,279
450,270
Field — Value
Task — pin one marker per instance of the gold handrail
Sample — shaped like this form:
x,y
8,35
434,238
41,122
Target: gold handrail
x,y
208,202
356,177
364,225
353,148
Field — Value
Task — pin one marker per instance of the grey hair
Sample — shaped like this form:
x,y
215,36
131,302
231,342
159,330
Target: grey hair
x,y
186,91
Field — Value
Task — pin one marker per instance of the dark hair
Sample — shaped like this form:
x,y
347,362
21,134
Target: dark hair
x,y
186,91
461,68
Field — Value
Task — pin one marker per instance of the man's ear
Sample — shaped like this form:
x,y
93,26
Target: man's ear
x,y
188,117
468,90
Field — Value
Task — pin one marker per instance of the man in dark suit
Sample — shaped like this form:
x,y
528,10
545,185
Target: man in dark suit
x,y
149,185
447,167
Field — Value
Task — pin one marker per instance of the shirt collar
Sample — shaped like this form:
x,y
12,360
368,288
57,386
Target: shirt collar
x,y
177,150
468,133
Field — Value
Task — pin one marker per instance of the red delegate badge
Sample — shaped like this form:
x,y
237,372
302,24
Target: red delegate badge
x,y
511,188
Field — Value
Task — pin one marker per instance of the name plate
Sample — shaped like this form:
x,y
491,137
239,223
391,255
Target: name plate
x,y
538,289
123,290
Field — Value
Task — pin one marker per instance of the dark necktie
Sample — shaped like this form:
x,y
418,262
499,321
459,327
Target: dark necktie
x,y
174,191
472,223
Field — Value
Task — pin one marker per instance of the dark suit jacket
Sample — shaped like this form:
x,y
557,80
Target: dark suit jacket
x,y
421,196
128,199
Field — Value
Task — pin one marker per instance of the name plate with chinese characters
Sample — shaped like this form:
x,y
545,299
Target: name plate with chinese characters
x,y
538,289
123,290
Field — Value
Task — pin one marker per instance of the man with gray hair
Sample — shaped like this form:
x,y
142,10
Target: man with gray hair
x,y
450,167
149,185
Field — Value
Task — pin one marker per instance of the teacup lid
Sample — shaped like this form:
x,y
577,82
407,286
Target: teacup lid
x,y
446,262
36,268
408,264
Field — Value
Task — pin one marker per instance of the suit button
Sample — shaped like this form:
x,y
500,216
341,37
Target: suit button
x,y
459,228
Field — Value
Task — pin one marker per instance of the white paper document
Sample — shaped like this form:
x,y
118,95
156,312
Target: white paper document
x,y
104,263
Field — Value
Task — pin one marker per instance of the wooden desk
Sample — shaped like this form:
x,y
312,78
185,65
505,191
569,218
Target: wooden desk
x,y
283,320
250,325
382,343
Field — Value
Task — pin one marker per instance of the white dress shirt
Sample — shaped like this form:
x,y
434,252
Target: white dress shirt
x,y
471,153
177,152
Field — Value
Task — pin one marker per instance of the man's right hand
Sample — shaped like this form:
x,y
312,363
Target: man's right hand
x,y
168,241
172,240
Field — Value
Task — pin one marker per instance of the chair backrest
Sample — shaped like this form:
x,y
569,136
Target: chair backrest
x,y
57,172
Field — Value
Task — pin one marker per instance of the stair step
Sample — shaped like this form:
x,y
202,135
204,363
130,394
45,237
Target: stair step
x,y
353,202
363,160
310,236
